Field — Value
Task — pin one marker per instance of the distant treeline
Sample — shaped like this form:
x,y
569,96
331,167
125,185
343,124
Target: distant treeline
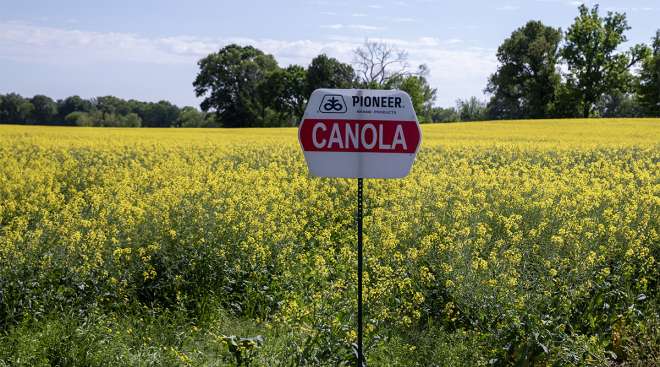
x,y
543,72
99,111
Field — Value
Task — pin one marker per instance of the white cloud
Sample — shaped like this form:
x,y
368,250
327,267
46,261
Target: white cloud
x,y
333,26
365,27
375,6
456,71
403,20
26,42
571,3
425,42
508,7
463,28
362,27
358,15
628,9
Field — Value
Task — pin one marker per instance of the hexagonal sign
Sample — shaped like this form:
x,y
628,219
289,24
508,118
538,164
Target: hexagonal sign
x,y
354,133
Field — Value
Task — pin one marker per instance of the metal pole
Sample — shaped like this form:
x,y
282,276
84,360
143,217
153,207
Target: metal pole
x,y
359,274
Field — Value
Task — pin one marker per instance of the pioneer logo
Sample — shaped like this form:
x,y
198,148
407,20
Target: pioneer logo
x,y
332,103
377,101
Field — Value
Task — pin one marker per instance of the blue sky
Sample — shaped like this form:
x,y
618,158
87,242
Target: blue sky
x,y
147,49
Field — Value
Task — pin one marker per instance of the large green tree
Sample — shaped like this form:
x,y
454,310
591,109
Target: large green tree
x,y
421,93
229,81
328,72
286,91
527,80
649,80
419,90
45,109
595,68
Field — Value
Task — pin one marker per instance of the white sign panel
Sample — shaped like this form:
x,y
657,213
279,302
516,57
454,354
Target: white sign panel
x,y
363,133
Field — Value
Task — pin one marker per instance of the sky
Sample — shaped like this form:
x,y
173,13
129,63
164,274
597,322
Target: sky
x,y
148,49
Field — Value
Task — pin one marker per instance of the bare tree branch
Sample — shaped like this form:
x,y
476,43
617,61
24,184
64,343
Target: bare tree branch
x,y
378,63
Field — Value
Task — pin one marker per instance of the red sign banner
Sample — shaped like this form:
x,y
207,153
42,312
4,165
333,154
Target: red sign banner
x,y
363,136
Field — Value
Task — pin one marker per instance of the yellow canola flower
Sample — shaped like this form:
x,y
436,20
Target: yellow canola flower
x,y
489,211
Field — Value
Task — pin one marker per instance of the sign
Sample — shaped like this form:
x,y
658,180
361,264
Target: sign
x,y
359,133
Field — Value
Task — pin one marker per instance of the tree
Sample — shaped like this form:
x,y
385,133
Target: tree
x,y
471,109
566,104
15,108
594,66
104,119
420,92
100,111
328,72
131,120
72,104
527,80
378,63
229,81
649,80
45,109
191,117
439,114
79,118
111,105
618,105
286,91
161,114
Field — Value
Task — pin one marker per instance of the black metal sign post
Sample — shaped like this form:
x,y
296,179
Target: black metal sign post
x,y
359,274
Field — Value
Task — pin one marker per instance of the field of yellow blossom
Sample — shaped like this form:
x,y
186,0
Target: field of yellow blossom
x,y
510,243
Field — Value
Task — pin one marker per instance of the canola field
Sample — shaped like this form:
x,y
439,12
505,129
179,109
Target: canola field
x,y
527,243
